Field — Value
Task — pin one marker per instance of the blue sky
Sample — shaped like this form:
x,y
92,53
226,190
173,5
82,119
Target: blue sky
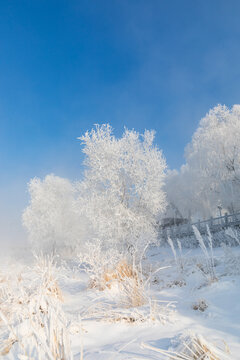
x,y
66,65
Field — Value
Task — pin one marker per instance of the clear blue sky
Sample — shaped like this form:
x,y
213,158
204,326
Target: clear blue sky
x,y
65,65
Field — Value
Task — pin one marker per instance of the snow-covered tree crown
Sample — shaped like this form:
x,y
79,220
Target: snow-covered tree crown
x,y
132,167
116,202
123,183
211,176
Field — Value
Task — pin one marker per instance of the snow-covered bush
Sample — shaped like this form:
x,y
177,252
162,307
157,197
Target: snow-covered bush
x,y
52,219
112,270
126,283
126,290
121,193
98,263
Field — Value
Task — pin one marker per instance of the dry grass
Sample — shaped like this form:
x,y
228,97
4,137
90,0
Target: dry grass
x,y
34,325
109,276
6,346
153,311
126,279
127,288
194,347
123,270
46,268
208,269
125,285
52,288
200,305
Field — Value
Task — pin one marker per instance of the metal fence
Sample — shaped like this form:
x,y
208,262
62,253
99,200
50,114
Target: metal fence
x,y
214,224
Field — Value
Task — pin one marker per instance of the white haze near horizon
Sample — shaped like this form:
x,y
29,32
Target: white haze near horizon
x,y
14,198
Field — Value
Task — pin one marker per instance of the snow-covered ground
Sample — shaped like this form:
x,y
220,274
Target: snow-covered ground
x,y
181,299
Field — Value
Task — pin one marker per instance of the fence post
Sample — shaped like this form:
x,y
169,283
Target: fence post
x,y
176,230
166,233
234,217
199,225
211,222
226,219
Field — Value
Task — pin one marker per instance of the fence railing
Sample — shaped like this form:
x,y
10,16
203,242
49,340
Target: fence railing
x,y
214,224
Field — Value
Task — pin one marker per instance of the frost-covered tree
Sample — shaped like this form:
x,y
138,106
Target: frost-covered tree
x,y
211,176
122,191
187,195
115,204
52,218
215,153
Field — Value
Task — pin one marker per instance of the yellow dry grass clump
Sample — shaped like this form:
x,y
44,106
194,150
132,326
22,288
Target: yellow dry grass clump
x,y
110,276
123,270
53,289
128,281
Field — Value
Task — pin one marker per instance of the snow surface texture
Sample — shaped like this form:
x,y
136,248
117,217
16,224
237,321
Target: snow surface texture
x,y
182,300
